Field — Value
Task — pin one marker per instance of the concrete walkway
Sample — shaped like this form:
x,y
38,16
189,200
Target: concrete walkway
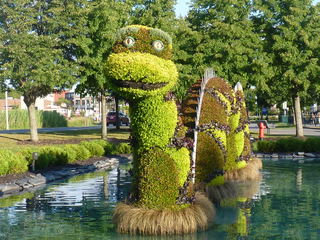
x,y
309,130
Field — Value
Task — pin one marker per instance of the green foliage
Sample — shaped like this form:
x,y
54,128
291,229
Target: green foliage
x,y
95,149
80,122
82,153
71,153
41,58
217,181
143,41
12,162
312,144
158,181
289,145
223,141
122,148
229,43
51,156
141,68
18,119
153,122
181,157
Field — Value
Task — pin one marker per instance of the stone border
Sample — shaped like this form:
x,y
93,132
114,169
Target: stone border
x,y
37,180
294,156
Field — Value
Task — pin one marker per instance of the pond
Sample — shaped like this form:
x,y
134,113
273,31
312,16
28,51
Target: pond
x,y
284,205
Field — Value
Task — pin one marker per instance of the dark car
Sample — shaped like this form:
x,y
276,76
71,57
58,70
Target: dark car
x,y
123,119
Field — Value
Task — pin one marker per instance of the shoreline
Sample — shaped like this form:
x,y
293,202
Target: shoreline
x,y
18,183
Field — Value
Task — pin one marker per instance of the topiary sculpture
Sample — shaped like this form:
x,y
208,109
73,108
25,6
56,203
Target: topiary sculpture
x,y
221,132
140,70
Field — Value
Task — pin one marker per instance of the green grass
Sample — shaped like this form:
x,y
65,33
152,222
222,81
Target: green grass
x,y
11,141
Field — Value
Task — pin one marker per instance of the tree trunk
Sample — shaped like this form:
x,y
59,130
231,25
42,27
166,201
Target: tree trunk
x,y
33,122
117,112
103,117
298,117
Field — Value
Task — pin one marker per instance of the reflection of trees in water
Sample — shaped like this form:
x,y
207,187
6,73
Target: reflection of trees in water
x,y
293,206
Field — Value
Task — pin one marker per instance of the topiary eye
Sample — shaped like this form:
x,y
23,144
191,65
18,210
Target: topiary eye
x,y
129,42
158,45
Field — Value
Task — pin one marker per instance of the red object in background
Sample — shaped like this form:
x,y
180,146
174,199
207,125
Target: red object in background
x,y
261,130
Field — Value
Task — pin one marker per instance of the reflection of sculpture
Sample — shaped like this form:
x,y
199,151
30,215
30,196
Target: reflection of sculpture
x,y
161,203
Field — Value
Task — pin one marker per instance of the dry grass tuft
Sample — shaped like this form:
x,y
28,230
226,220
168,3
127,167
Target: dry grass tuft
x,y
248,173
134,220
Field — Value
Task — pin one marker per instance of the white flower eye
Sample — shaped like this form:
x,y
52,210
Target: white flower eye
x,y
129,42
158,45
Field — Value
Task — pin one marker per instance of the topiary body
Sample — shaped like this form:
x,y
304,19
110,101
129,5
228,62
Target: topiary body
x,y
140,70
223,146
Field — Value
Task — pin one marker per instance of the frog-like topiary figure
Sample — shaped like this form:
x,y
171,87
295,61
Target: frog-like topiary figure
x,y
140,70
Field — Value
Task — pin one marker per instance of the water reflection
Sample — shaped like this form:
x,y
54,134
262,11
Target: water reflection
x,y
285,204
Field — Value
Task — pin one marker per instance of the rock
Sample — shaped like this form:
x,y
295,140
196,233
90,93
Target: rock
x,y
266,155
275,155
298,156
49,177
300,153
259,155
9,188
38,180
310,155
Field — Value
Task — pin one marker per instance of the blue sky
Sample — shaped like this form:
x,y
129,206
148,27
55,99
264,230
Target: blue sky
x,y
182,7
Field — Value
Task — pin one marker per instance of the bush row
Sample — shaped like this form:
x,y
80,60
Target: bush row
x,y
289,145
49,156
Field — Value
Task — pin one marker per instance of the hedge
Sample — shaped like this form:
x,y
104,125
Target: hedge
x,y
289,145
18,162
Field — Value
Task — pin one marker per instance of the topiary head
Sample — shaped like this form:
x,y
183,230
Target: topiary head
x,y
140,64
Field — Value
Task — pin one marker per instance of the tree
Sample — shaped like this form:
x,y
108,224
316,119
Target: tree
x,y
37,47
229,43
291,32
104,19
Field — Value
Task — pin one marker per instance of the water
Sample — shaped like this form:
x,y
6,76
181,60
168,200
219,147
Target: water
x,y
285,204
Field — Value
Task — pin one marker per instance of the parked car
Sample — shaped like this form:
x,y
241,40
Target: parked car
x,y
111,118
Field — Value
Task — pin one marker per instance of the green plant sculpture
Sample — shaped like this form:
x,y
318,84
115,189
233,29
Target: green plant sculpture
x,y
223,151
140,70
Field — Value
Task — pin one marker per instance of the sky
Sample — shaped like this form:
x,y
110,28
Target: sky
x,y
182,7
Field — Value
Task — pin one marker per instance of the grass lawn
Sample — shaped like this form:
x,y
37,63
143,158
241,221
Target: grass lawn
x,y
17,140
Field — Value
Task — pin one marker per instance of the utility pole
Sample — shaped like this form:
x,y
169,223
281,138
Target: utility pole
x,y
7,113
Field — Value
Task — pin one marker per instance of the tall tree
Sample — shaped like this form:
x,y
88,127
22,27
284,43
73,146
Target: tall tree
x,y
291,31
229,43
104,19
37,47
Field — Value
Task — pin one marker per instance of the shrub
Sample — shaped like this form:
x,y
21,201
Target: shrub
x,y
82,153
95,149
17,164
51,156
266,146
122,148
12,162
71,153
312,144
289,145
